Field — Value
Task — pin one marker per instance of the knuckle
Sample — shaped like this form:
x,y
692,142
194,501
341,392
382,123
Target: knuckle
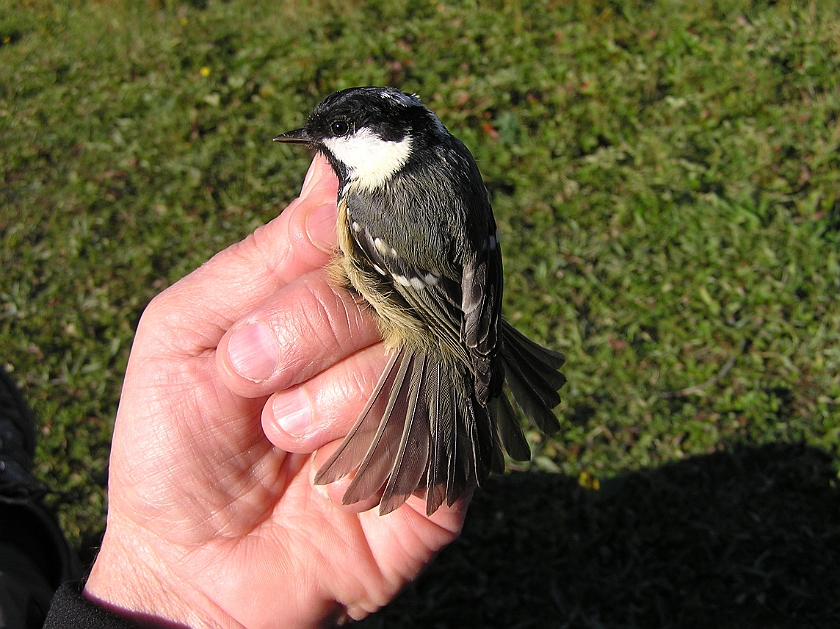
x,y
317,325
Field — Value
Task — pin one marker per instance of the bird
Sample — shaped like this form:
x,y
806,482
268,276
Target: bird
x,y
417,241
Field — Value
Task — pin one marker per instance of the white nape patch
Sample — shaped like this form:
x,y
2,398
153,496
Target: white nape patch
x,y
370,160
401,98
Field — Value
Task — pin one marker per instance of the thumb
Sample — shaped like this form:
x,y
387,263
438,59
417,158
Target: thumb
x,y
194,313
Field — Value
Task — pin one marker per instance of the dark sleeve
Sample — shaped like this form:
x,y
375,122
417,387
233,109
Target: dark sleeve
x,y
70,609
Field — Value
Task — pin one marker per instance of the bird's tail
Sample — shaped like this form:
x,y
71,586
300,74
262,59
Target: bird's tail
x,y
422,427
533,377
419,429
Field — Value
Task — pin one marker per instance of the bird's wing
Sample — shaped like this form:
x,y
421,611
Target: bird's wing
x,y
481,288
464,315
460,302
434,297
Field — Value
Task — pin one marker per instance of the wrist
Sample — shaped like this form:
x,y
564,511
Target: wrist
x,y
130,578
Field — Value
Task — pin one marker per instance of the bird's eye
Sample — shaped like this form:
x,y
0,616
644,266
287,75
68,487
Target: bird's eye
x,y
339,128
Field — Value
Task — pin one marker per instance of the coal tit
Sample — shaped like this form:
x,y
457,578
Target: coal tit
x,y
418,242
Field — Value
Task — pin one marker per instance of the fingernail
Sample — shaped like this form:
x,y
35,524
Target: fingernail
x,y
308,177
253,351
293,411
320,227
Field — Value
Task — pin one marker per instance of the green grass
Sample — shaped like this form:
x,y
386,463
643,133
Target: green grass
x,y
666,178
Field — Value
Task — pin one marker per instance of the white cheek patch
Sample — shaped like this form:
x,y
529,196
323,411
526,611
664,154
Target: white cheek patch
x,y
370,160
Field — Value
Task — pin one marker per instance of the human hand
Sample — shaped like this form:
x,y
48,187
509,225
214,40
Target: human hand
x,y
238,374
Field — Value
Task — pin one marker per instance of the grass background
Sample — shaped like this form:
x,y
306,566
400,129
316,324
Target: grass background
x,y
666,179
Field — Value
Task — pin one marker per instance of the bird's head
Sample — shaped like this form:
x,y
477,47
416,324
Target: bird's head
x,y
368,133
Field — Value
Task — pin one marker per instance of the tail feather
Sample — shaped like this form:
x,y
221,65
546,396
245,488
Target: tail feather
x,y
486,454
532,376
358,441
424,426
413,455
441,424
554,360
541,379
497,457
510,432
379,460
531,404
457,474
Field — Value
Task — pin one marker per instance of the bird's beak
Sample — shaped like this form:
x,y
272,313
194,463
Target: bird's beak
x,y
296,136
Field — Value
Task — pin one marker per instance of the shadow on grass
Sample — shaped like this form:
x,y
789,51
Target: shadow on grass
x,y
749,538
